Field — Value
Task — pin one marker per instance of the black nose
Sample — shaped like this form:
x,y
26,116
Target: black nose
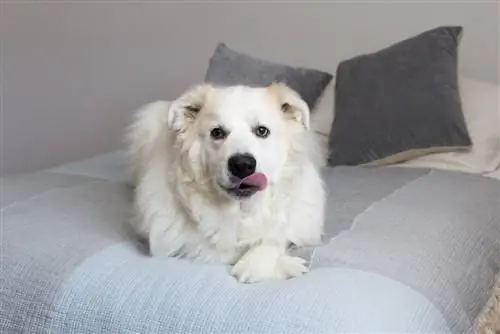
x,y
241,165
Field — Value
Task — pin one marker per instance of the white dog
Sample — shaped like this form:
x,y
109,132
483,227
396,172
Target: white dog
x,y
229,175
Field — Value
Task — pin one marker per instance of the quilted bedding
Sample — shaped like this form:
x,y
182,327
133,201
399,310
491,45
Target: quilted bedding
x,y
405,250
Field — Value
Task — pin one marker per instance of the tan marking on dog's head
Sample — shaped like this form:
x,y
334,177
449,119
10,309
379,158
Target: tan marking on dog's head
x,y
290,103
186,108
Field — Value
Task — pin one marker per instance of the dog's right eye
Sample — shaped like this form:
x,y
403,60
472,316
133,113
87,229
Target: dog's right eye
x,y
193,108
218,133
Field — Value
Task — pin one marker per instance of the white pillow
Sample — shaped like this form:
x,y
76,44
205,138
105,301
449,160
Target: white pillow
x,y
481,108
480,102
495,174
323,112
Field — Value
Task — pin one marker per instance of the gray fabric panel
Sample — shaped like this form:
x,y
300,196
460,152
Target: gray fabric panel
x,y
111,166
404,98
439,234
350,190
45,238
22,187
228,67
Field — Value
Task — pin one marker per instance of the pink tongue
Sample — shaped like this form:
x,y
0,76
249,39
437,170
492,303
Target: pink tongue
x,y
258,180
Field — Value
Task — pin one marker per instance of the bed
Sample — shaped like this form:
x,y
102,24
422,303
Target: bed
x,y
405,250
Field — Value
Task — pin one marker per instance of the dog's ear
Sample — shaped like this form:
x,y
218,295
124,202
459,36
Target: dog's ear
x,y
292,105
184,110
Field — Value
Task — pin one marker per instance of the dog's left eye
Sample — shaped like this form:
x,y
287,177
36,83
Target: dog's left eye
x,y
262,131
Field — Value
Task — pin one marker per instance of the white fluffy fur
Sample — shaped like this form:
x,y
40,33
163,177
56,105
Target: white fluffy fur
x,y
180,207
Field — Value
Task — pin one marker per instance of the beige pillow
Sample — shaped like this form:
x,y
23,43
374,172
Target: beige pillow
x,y
481,108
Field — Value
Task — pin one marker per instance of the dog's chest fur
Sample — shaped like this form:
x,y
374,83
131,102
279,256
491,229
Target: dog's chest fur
x,y
231,228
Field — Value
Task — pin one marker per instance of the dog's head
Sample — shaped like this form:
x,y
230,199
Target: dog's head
x,y
237,138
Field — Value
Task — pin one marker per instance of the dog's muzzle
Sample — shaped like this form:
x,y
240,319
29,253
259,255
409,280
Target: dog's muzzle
x,y
245,181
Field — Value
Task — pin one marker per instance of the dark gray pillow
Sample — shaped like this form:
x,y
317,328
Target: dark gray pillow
x,y
399,103
228,67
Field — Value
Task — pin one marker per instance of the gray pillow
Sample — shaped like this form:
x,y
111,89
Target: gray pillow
x,y
228,67
399,103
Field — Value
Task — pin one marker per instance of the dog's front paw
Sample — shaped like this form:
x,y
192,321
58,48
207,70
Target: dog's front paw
x,y
264,263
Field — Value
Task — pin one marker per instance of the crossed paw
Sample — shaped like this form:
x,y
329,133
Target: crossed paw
x,y
267,263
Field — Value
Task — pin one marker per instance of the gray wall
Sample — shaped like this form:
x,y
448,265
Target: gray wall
x,y
72,73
